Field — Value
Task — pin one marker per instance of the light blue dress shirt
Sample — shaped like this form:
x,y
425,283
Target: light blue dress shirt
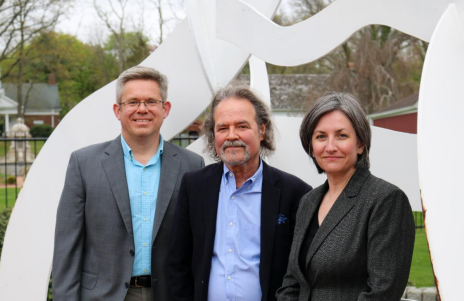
x,y
236,255
142,182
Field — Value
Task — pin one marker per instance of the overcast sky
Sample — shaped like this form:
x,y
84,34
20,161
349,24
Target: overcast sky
x,y
83,22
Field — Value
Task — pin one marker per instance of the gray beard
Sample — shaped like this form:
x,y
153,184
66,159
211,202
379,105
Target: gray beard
x,y
233,161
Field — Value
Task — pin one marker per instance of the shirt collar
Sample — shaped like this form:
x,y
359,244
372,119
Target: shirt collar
x,y
226,173
127,151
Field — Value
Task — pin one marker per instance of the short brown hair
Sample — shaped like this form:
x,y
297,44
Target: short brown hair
x,y
141,72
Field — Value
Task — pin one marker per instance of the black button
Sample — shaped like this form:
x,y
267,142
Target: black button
x,y
126,285
132,252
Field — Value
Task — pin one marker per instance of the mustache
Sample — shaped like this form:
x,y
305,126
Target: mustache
x,y
233,143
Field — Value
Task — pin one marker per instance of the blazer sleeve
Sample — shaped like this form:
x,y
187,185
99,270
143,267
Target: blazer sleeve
x,y
69,236
180,280
290,289
202,162
390,245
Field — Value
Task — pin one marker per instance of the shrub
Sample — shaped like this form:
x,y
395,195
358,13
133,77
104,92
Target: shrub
x,y
11,180
42,130
4,217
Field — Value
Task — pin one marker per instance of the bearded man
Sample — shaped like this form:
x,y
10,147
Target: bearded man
x,y
234,221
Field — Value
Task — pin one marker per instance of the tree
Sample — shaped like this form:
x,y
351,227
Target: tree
x,y
115,18
159,10
305,9
381,69
378,64
79,68
22,20
115,27
163,20
135,47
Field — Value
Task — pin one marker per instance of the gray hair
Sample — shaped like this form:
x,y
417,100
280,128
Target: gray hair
x,y
263,117
347,104
140,72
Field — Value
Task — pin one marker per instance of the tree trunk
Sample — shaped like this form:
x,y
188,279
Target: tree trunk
x,y
19,77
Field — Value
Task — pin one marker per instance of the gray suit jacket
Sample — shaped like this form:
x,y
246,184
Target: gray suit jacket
x,y
94,243
362,250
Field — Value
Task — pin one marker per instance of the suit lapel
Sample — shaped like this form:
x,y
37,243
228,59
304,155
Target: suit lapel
x,y
170,167
210,202
338,211
113,165
270,201
342,206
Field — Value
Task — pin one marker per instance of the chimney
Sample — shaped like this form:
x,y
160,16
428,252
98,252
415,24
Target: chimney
x,y
52,79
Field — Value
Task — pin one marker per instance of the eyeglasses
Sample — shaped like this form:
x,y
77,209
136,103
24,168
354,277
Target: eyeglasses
x,y
136,104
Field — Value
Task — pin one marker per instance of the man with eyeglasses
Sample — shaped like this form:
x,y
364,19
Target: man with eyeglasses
x,y
114,219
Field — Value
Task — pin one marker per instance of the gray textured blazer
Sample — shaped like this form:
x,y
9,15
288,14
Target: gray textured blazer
x,y
362,250
94,243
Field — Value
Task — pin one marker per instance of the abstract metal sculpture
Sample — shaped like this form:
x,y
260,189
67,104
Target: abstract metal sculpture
x,y
206,51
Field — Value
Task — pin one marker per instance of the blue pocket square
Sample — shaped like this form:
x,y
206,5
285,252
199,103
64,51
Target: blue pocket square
x,y
282,219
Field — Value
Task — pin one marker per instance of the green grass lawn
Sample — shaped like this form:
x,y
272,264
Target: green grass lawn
x,y
11,197
36,146
421,274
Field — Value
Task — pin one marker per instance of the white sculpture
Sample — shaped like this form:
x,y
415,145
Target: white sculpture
x,y
197,62
441,105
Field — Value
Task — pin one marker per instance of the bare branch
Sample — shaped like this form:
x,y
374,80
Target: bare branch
x,y
141,25
118,30
160,8
173,11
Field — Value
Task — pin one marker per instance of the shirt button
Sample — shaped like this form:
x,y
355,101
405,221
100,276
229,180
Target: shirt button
x,y
231,175
145,245
145,219
233,197
145,193
144,168
230,250
229,278
231,224
144,271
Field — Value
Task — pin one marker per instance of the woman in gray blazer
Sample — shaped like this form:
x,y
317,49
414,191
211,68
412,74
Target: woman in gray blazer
x,y
354,235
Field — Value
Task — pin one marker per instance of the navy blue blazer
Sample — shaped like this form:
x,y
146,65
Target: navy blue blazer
x,y
194,230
